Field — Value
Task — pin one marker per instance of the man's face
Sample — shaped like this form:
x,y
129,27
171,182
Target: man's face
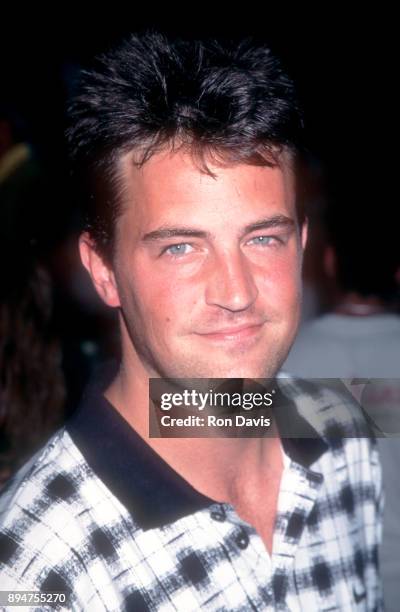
x,y
207,270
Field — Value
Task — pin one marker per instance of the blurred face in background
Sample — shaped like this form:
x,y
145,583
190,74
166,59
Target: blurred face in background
x,y
206,271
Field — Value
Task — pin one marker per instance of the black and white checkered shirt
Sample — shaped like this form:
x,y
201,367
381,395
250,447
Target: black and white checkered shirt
x,y
97,514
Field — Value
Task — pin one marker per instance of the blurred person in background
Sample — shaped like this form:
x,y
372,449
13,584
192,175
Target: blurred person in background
x,y
31,379
359,338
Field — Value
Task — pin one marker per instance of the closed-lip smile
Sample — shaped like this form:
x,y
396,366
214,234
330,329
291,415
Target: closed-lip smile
x,y
234,333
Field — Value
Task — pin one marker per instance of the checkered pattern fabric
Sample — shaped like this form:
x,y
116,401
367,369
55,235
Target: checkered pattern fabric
x,y
98,515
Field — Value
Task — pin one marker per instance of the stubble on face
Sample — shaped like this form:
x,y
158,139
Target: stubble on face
x,y
181,316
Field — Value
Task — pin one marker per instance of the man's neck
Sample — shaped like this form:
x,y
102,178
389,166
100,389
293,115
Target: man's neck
x,y
224,469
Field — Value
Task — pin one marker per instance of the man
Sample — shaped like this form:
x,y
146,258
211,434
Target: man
x,y
188,150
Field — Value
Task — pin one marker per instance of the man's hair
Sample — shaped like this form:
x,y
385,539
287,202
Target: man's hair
x,y
226,103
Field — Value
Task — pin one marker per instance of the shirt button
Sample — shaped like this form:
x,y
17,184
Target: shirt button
x,y
218,515
242,539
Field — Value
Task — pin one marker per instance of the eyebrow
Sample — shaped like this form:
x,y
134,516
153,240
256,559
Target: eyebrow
x,y
165,232
276,221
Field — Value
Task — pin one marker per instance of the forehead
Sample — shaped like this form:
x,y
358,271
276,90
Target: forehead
x,y
170,187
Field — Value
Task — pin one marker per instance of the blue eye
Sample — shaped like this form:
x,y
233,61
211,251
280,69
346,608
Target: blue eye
x,y
262,240
178,249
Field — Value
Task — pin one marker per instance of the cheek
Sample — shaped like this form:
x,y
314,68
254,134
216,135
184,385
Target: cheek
x,y
281,282
166,301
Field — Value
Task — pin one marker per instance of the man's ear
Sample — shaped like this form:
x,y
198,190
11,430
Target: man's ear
x,y
101,274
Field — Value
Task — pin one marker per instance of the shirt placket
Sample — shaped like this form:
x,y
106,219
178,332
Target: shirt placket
x,y
268,580
256,560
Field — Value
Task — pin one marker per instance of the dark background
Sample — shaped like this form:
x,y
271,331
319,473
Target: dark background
x,y
345,69
344,65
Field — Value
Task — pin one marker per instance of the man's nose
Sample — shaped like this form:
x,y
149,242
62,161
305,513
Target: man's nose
x,y
231,284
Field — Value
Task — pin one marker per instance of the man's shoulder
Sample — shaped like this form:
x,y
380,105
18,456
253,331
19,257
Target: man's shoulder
x,y
48,511
337,423
329,406
49,473
348,458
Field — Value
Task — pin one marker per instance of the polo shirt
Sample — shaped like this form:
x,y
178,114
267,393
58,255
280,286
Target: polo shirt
x,y
98,515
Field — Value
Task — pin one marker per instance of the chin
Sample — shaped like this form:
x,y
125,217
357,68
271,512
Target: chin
x,y
217,369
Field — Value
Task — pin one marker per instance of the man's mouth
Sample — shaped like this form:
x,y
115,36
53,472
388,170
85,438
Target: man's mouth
x,y
240,332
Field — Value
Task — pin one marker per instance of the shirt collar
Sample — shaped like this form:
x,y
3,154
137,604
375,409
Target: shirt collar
x,y
143,482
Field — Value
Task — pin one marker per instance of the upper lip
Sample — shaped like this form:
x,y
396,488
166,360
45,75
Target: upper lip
x,y
231,330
